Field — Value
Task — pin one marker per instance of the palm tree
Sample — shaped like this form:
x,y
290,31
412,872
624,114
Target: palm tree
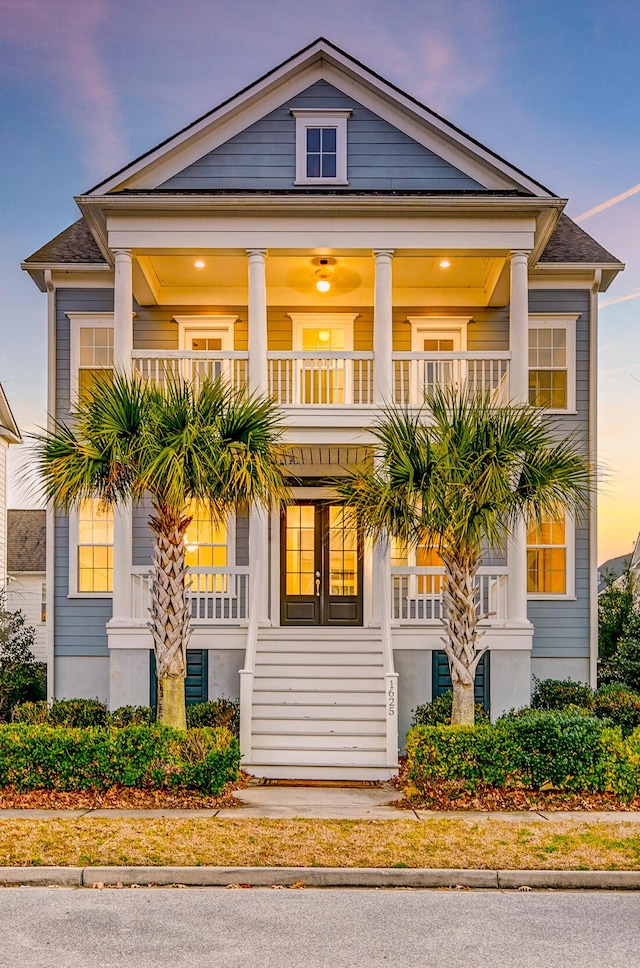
x,y
173,444
457,476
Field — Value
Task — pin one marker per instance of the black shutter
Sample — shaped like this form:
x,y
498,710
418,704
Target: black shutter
x,y
442,678
196,685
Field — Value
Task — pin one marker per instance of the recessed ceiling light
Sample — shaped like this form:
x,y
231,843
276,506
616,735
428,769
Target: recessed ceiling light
x,y
199,264
445,264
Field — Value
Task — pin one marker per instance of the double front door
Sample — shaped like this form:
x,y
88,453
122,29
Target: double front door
x,y
321,565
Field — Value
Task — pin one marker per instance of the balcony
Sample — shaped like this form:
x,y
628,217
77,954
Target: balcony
x,y
417,374
158,366
416,595
321,378
217,596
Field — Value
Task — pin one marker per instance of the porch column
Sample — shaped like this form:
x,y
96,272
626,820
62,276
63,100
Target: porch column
x,y
383,327
519,393
122,349
259,562
256,259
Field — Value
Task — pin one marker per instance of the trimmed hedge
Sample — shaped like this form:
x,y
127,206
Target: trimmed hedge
x,y
215,712
63,758
565,750
560,693
93,712
438,711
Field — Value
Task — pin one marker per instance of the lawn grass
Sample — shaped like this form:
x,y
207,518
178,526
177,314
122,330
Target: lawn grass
x,y
481,844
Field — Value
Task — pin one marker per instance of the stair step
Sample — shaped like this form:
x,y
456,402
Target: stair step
x,y
272,726
328,697
278,771
323,741
319,757
308,643
263,708
316,684
320,658
319,673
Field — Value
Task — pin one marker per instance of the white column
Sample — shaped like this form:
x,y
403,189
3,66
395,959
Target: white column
x,y
259,561
256,259
122,348
383,327
519,393
123,310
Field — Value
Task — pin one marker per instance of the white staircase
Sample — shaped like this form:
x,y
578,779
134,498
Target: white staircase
x,y
319,706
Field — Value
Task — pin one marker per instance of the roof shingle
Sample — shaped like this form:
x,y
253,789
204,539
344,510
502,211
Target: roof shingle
x,y
26,541
571,244
75,244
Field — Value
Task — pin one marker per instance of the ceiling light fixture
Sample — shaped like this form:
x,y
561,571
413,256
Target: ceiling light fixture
x,y
199,264
445,264
324,336
324,275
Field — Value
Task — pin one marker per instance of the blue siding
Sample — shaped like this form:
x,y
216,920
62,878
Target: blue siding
x,y
379,156
562,627
79,623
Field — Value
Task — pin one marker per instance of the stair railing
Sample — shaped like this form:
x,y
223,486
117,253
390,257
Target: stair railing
x,y
390,675
246,673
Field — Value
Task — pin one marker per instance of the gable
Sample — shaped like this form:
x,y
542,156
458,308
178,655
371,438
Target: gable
x,y
380,157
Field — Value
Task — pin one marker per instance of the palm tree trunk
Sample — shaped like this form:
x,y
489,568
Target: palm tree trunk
x,y
169,610
461,643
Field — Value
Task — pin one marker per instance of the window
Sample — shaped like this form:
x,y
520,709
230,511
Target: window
x,y
443,334
552,352
91,351
321,147
207,547
423,556
91,538
549,561
43,603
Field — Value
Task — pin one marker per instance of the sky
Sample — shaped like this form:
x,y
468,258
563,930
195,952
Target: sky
x,y
553,86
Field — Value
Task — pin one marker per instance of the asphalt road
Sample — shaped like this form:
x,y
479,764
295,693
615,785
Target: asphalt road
x,y
262,928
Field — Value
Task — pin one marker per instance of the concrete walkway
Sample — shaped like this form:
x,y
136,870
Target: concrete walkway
x,y
332,803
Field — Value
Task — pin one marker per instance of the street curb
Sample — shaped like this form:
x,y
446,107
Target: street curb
x,y
363,877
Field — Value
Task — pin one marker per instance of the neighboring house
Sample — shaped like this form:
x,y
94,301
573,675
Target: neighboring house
x,y
26,568
614,568
327,238
9,434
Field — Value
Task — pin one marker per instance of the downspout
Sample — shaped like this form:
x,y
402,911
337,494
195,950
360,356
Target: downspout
x,y
50,538
593,456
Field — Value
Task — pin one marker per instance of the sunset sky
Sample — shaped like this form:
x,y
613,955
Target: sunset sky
x,y
553,86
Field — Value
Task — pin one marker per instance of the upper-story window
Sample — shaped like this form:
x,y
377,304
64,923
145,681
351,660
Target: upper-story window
x,y
552,362
321,147
91,352
91,549
550,556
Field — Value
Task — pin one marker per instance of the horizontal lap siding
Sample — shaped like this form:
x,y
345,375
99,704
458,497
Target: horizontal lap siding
x,y
562,627
3,516
155,327
79,623
280,326
379,156
488,329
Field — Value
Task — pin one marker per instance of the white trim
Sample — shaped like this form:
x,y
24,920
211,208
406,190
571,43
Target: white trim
x,y
438,326
593,459
303,320
206,325
569,594
73,561
77,322
566,321
325,118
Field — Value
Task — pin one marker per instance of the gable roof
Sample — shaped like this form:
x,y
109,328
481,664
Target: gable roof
x,y
26,540
75,245
571,244
8,426
320,59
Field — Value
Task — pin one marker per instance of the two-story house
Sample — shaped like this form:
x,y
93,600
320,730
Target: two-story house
x,y
327,239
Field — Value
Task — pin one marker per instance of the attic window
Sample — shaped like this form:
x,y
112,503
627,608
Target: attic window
x,y
321,147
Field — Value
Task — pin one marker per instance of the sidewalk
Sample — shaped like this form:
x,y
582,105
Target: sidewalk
x,y
331,803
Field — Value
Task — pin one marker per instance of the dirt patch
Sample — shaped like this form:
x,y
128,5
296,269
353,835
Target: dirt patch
x,y
117,797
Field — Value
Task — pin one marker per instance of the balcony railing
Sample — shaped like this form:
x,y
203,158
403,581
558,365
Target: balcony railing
x,y
195,366
417,374
416,594
321,378
217,596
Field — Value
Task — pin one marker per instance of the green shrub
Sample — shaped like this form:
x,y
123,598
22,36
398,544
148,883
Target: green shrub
x,y
624,665
619,705
438,711
132,716
31,712
80,758
216,712
22,679
560,693
566,750
78,712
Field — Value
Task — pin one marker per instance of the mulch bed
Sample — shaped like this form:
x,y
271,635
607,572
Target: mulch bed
x,y
118,798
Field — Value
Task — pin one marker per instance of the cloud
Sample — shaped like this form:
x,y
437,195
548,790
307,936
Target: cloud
x,y
61,43
619,299
605,205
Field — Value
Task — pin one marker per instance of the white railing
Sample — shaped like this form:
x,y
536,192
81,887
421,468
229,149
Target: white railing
x,y
217,596
416,594
321,378
247,673
417,374
160,366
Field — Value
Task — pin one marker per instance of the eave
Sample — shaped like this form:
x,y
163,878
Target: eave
x,y
37,269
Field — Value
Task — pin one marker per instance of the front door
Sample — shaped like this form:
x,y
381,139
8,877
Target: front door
x,y
321,565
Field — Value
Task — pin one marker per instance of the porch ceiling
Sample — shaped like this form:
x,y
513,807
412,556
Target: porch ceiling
x,y
323,460
220,278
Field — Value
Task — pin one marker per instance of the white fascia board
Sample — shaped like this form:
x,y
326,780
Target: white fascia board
x,y
37,270
608,271
326,63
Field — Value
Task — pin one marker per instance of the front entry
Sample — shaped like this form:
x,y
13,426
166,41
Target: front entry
x,y
321,566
